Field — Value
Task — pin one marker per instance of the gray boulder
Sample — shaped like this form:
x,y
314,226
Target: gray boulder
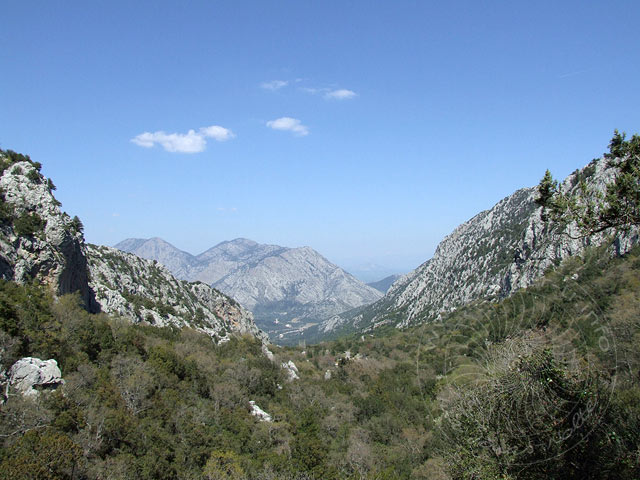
x,y
29,375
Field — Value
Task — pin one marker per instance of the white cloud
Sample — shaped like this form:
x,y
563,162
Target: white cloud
x,y
217,132
274,84
190,142
341,94
289,124
312,90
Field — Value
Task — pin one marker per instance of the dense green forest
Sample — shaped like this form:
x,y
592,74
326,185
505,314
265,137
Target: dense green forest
x,y
543,384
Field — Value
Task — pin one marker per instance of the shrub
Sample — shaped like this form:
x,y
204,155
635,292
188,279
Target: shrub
x,y
28,224
34,176
77,225
6,209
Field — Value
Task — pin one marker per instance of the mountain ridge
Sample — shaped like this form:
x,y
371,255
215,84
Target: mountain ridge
x,y
288,289
491,255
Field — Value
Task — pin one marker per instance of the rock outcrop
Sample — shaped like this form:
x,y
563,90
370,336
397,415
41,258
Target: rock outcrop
x,y
38,240
30,375
291,370
259,413
492,255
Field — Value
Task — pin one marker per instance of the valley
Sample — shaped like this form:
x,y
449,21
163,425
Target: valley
x,y
110,363
247,240
288,290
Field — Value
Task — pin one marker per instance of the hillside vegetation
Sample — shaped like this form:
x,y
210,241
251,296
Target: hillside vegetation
x,y
518,389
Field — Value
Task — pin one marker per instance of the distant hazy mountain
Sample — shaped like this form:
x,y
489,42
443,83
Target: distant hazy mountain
x,y
287,289
177,261
384,284
370,272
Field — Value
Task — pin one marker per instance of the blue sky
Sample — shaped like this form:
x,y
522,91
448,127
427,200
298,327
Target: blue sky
x,y
367,130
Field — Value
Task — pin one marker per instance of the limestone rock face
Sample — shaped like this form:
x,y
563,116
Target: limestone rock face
x,y
292,371
29,375
492,255
257,412
143,290
54,253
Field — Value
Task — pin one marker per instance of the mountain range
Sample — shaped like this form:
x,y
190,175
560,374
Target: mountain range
x,y
289,290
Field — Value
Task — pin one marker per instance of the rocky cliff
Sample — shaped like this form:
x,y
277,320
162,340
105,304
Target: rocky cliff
x,y
287,289
39,242
490,256
132,287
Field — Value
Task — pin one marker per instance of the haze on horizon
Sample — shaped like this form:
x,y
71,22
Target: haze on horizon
x,y
366,131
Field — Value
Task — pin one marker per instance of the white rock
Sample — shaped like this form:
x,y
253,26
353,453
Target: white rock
x,y
29,375
327,375
267,353
291,370
54,256
256,411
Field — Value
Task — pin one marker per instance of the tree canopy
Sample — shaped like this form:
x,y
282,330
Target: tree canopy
x,y
594,210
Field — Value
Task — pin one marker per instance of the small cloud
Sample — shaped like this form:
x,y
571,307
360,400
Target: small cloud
x,y
217,132
313,91
274,84
341,94
571,74
330,94
289,124
190,142
115,214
